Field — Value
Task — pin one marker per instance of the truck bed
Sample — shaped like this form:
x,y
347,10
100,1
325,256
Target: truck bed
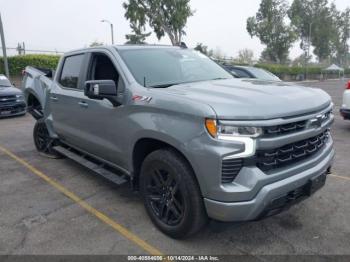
x,y
35,83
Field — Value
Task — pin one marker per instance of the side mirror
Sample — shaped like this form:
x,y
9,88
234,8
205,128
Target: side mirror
x,y
100,89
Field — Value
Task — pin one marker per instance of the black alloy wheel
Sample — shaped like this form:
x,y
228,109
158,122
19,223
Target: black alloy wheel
x,y
171,194
42,140
164,196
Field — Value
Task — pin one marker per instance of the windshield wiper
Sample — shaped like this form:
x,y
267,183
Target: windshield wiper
x,y
165,85
219,78
174,84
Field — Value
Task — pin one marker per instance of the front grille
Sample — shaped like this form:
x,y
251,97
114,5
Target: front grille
x,y
291,127
6,99
284,129
14,109
230,169
268,160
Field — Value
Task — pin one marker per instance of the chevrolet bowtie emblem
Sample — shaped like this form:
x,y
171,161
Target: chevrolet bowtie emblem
x,y
318,120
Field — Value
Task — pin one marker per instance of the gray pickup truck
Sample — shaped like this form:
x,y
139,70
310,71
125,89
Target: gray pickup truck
x,y
196,142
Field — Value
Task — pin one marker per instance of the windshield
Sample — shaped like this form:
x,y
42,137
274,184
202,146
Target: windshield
x,y
161,67
4,81
263,74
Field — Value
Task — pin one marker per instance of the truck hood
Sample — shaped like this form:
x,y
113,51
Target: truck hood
x,y
9,90
253,99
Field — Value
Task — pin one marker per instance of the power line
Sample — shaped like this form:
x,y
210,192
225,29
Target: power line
x,y
36,50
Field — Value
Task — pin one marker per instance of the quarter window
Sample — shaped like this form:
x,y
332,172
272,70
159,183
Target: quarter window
x,y
71,71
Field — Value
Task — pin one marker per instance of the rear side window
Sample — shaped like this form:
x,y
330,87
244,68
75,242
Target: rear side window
x,y
71,71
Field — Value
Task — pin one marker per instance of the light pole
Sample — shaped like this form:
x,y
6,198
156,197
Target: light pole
x,y
112,33
310,28
308,51
4,49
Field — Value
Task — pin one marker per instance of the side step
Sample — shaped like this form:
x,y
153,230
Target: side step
x,y
36,113
95,166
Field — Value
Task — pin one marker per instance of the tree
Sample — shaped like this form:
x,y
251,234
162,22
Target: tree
x,y
138,37
301,60
202,48
218,54
96,43
270,27
165,17
342,46
317,19
245,56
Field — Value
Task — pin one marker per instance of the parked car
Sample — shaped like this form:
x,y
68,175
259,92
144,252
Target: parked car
x,y
11,99
345,109
251,72
194,140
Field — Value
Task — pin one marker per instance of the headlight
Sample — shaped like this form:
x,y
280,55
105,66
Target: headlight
x,y
242,134
226,132
19,98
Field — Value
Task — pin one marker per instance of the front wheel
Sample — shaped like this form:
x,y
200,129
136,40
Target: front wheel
x,y
171,194
42,140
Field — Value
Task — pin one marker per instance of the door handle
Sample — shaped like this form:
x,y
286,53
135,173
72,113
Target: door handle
x,y
83,104
54,98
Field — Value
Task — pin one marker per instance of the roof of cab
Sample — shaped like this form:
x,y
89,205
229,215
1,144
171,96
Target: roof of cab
x,y
129,47
121,47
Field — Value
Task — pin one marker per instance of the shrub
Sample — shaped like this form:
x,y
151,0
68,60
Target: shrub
x,y
281,70
18,63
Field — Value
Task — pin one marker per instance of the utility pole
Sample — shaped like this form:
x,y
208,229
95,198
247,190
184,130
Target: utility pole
x,y
308,51
19,49
6,65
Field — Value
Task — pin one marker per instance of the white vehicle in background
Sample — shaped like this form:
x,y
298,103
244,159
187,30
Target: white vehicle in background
x,y
345,108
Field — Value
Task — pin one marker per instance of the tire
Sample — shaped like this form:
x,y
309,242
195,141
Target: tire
x,y
171,194
42,140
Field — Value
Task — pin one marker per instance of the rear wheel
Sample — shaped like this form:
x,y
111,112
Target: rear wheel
x,y
42,140
171,194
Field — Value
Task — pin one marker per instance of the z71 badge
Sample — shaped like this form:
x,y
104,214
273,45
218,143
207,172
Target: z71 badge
x,y
138,98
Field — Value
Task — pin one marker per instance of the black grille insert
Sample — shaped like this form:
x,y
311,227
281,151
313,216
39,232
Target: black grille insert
x,y
284,129
230,169
6,99
271,159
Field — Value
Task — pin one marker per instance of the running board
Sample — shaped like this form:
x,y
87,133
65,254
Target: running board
x,y
95,166
36,113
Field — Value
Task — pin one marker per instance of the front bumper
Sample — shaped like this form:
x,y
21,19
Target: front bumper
x,y
345,113
12,109
265,199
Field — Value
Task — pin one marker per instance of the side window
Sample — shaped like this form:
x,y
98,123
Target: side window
x,y
102,68
71,71
241,73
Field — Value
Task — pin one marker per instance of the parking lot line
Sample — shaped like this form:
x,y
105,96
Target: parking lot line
x,y
341,177
104,218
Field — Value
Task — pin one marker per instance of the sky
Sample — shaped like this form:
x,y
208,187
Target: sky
x,y
64,25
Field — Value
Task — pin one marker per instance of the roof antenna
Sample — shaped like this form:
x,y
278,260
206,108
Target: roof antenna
x,y
183,45
144,81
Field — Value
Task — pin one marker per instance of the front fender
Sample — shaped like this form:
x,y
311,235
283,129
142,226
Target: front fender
x,y
178,130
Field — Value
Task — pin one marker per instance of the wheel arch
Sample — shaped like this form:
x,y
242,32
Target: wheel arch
x,y
34,106
144,146
32,98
